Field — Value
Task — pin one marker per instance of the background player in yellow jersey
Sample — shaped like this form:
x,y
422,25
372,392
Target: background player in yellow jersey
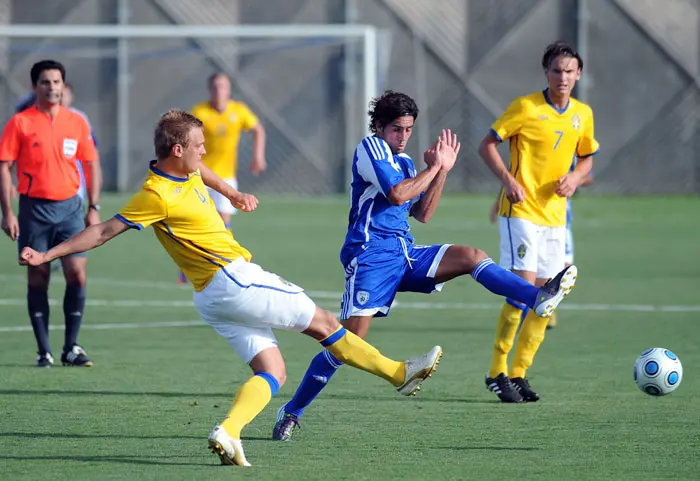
x,y
224,119
240,300
546,130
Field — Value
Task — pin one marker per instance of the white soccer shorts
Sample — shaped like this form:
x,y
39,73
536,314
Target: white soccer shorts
x,y
526,246
243,303
221,202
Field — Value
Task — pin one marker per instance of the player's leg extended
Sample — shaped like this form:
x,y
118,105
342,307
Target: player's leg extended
x,y
320,371
462,260
251,398
370,287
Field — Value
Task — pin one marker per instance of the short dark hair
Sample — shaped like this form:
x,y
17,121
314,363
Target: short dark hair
x,y
558,49
391,105
43,65
173,128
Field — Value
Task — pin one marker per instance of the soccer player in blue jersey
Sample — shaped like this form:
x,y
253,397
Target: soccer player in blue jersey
x,y
380,256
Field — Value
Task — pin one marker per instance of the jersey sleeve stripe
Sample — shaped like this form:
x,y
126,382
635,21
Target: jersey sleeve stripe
x,y
133,225
495,134
589,155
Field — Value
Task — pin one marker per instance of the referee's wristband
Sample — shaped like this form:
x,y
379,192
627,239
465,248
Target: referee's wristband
x,y
94,206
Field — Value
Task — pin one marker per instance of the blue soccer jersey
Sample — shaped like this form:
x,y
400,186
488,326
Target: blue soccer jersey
x,y
375,170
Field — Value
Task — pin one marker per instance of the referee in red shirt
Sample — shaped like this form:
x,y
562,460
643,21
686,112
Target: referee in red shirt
x,y
45,140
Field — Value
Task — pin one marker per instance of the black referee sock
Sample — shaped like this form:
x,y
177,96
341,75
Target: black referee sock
x,y
73,307
38,307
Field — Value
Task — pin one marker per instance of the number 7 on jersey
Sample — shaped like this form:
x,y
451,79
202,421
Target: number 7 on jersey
x,y
560,133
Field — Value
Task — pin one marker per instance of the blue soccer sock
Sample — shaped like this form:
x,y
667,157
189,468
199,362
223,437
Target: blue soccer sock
x,y
320,371
504,283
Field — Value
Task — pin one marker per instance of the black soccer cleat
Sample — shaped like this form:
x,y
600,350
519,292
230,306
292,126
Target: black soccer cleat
x,y
503,388
554,291
523,387
44,360
76,356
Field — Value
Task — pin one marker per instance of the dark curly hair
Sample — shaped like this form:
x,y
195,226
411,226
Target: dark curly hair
x,y
557,49
391,105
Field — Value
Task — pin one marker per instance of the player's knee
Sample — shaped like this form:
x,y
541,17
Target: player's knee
x,y
503,347
38,278
471,256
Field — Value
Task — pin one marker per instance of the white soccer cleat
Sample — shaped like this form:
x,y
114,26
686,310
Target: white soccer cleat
x,y
418,369
555,290
229,450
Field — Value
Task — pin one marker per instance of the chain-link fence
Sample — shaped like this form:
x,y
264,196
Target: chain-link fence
x,y
463,60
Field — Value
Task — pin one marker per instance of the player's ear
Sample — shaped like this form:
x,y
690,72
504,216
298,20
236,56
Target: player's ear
x,y
177,150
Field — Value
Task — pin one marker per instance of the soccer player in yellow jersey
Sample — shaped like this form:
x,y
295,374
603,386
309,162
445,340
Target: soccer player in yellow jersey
x,y
546,130
239,299
224,120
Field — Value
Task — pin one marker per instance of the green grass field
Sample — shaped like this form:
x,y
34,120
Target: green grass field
x,y
161,379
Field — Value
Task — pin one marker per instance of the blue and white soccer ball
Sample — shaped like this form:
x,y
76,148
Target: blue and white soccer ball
x,y
658,371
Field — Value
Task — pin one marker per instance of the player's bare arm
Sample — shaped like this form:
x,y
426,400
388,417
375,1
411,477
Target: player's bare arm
x,y
567,185
259,164
10,224
446,150
241,201
93,236
488,150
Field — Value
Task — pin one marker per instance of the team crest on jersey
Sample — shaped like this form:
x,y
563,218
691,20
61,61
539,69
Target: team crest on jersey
x,y
70,147
576,122
362,297
232,118
522,250
177,190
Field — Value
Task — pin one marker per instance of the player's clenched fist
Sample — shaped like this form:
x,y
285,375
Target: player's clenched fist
x,y
30,257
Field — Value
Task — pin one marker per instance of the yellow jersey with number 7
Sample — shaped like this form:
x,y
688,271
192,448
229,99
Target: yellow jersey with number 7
x,y
543,142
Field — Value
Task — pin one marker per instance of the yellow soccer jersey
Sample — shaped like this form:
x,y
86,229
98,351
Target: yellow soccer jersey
x,y
186,224
222,131
543,143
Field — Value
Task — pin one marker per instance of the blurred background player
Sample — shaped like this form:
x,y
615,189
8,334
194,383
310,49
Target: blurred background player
x,y
45,140
224,119
546,130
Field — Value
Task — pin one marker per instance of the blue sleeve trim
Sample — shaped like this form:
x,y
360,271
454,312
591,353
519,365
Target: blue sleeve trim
x,y
333,338
274,384
495,134
589,155
133,225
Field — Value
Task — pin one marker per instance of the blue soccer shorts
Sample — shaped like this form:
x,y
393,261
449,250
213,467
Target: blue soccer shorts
x,y
384,268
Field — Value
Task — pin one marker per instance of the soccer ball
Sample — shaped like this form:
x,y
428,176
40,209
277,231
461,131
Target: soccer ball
x,y
658,371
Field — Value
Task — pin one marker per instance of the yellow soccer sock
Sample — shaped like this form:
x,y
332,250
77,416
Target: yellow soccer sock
x,y
251,398
529,341
354,351
508,322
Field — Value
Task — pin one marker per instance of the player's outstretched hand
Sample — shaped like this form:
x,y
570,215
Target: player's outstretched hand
x,y
244,202
567,185
448,149
30,257
431,157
